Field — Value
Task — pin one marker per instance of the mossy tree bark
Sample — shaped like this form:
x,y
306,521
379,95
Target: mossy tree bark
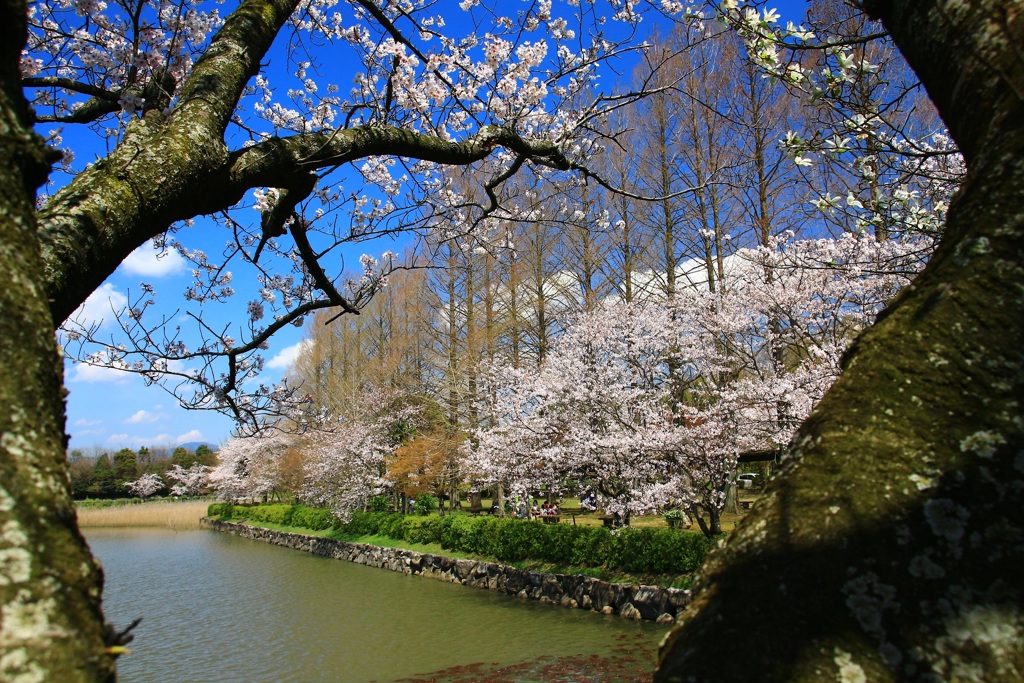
x,y
890,547
51,627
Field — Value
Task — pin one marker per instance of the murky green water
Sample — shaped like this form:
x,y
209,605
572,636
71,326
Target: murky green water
x,y
220,608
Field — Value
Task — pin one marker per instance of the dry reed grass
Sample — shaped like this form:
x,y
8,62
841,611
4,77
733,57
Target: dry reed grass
x,y
171,515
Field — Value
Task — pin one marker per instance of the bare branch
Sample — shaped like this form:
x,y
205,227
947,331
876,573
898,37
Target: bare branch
x,y
70,84
309,258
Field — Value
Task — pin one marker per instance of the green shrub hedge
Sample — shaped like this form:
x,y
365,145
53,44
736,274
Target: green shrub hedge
x,y
636,550
316,519
221,510
272,513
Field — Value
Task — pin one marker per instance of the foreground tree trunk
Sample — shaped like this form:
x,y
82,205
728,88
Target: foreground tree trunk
x,y
51,627
890,546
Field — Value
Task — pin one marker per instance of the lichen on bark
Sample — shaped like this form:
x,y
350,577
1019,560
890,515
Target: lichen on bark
x,y
51,627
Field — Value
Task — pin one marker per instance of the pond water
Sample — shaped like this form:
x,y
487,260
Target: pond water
x,y
215,607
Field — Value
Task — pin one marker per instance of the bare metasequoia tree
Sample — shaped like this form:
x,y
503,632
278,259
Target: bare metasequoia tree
x,y
889,546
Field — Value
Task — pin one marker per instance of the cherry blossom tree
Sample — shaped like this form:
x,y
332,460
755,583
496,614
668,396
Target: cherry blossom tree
x,y
190,482
145,486
651,403
343,457
599,405
346,455
763,349
251,466
345,467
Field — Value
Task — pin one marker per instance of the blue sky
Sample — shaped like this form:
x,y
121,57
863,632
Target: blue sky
x,y
111,410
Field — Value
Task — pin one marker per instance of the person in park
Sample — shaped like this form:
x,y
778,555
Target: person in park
x,y
889,548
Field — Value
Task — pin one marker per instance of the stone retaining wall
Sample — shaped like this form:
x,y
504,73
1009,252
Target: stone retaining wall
x,y
652,603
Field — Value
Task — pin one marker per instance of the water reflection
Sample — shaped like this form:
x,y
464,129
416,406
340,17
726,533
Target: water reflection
x,y
219,608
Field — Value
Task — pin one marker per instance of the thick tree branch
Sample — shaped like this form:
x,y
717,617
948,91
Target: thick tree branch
x,y
161,172
210,94
273,162
92,110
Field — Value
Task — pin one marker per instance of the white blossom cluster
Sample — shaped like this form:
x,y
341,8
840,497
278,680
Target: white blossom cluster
x,y
123,52
333,461
651,403
145,486
189,482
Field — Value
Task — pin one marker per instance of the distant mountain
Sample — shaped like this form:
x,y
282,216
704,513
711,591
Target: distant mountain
x,y
193,445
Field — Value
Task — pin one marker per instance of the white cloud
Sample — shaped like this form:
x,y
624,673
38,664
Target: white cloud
x,y
134,442
286,357
129,441
97,374
143,416
194,435
179,367
82,422
146,261
100,307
